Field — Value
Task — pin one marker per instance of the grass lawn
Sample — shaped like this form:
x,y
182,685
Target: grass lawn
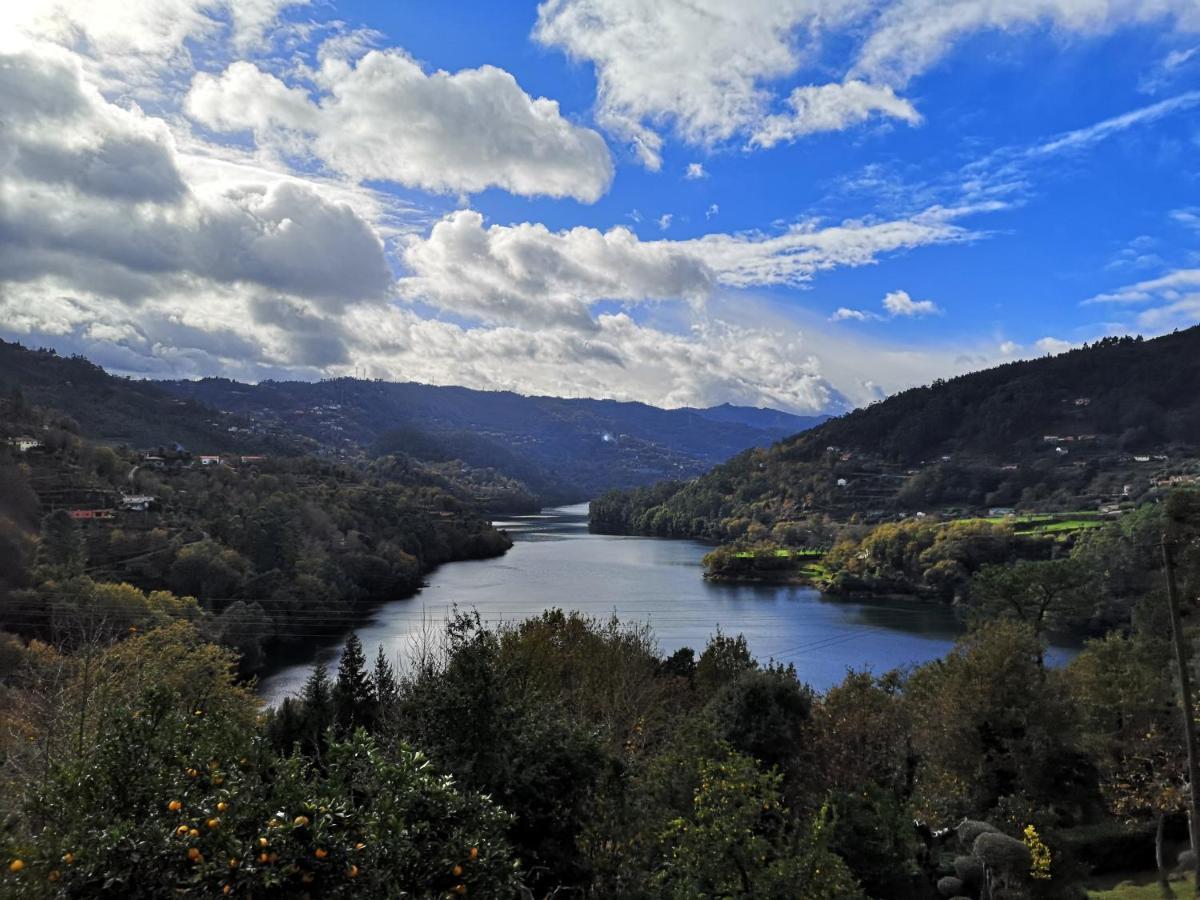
x,y
1141,886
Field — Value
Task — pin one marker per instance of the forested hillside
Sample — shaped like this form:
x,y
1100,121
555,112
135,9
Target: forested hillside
x,y
1102,425
566,450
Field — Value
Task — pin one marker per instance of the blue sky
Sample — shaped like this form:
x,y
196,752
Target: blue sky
x,y
804,203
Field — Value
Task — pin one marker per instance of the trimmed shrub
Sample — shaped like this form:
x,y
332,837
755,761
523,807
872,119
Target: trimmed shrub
x,y
1003,853
949,886
969,829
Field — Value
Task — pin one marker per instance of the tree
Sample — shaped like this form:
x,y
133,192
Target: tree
x,y
353,696
738,841
1130,727
62,551
384,686
1043,594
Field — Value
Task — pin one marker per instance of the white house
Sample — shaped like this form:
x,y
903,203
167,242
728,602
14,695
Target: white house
x,y
24,443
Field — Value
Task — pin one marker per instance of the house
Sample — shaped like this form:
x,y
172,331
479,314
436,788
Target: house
x,y
85,514
209,460
1001,511
137,502
841,482
1141,459
1051,439
24,443
249,460
1082,401
1061,451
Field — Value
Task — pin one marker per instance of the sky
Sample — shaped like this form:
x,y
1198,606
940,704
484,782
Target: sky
x,y
803,204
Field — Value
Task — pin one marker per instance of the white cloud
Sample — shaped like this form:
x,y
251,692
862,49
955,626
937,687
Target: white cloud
x,y
832,107
694,171
1008,348
704,66
664,221
381,117
857,315
899,303
138,45
713,209
910,36
531,275
1171,300
527,273
1051,345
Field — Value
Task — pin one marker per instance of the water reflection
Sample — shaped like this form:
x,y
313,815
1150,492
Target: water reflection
x,y
555,562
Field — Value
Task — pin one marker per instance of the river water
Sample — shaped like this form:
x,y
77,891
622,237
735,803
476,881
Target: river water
x,y
556,562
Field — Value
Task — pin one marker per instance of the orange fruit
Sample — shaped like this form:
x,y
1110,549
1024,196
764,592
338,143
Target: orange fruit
x,y
263,857
474,854
222,806
54,875
352,872
193,832
456,871
321,853
16,865
300,821
228,889
262,842
194,854
174,806
214,823
68,857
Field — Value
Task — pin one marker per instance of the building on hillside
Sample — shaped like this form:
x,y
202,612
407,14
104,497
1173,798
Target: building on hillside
x,y
24,443
1083,401
250,460
137,502
88,514
208,460
1001,511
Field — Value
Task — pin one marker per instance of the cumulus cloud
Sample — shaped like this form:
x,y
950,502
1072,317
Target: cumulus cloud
x,y
694,171
1052,345
94,195
528,273
711,71
832,107
895,303
899,303
140,45
382,117
704,67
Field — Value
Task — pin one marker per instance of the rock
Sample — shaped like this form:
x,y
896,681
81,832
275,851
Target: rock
x,y
1187,860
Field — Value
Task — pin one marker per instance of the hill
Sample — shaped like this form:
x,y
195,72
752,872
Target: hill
x,y
1099,426
115,410
566,450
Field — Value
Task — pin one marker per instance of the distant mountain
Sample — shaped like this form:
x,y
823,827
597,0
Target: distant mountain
x,y
564,449
1093,426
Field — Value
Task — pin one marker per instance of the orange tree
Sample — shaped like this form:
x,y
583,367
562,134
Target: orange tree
x,y
176,795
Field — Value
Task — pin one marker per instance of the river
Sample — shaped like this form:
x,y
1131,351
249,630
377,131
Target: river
x,y
556,562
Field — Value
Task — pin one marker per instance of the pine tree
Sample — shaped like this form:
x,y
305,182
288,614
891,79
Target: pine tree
x,y
353,695
383,681
318,707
